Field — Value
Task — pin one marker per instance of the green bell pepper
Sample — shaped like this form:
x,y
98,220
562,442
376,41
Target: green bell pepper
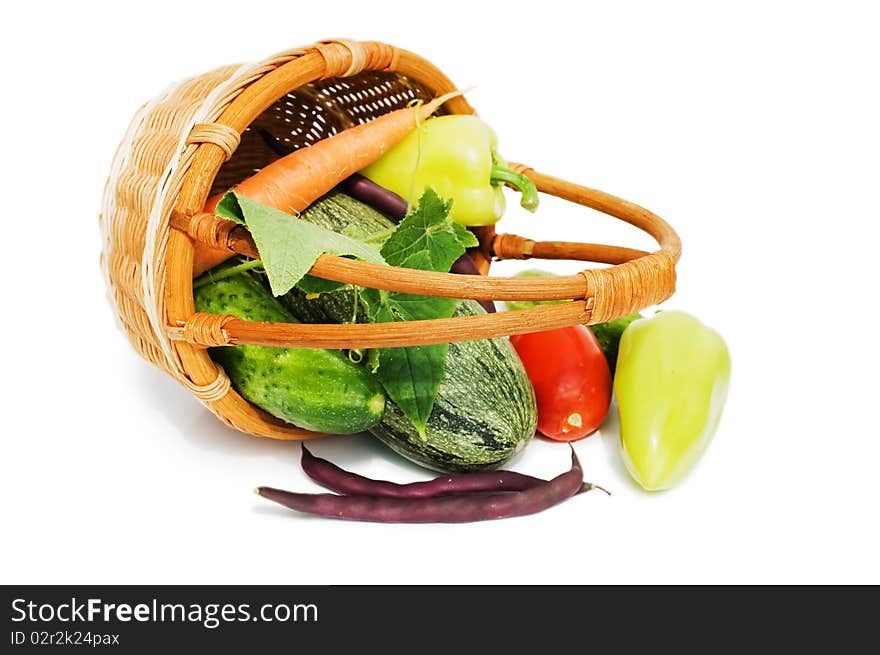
x,y
671,384
456,156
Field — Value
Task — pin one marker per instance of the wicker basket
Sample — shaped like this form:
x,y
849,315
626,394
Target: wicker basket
x,y
205,134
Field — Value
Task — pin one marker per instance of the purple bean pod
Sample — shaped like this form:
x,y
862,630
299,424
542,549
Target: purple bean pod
x,y
438,509
341,481
378,197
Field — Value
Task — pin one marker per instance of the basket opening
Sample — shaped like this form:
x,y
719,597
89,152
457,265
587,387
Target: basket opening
x,y
313,112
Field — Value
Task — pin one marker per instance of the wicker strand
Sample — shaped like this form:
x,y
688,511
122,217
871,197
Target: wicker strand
x,y
223,136
512,246
383,57
212,392
211,230
342,57
207,330
621,290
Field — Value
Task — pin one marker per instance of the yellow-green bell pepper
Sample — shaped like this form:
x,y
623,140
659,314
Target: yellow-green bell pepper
x,y
456,156
671,385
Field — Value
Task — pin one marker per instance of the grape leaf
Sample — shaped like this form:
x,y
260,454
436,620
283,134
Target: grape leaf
x,y
427,239
289,247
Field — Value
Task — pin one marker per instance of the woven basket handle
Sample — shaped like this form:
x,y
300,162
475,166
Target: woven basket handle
x,y
631,285
640,280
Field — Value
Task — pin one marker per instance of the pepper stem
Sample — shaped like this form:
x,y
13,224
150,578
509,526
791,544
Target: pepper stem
x,y
502,174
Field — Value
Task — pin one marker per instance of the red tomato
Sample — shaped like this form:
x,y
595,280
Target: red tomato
x,y
571,378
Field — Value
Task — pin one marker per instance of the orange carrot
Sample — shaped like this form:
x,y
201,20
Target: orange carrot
x,y
295,181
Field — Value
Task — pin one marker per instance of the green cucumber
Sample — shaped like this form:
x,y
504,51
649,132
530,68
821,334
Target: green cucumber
x,y
485,410
312,388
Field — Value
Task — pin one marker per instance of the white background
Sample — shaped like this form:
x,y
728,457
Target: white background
x,y
752,128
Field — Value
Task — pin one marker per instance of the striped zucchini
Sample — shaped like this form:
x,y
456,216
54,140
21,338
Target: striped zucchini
x,y
484,413
485,408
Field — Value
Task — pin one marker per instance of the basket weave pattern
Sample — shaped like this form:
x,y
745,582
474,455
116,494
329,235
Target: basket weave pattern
x,y
204,134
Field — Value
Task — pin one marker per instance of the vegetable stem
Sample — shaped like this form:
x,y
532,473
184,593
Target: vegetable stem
x,y
529,193
589,486
209,277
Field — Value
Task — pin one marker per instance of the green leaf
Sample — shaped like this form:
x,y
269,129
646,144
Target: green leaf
x,y
411,376
427,239
228,207
289,247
